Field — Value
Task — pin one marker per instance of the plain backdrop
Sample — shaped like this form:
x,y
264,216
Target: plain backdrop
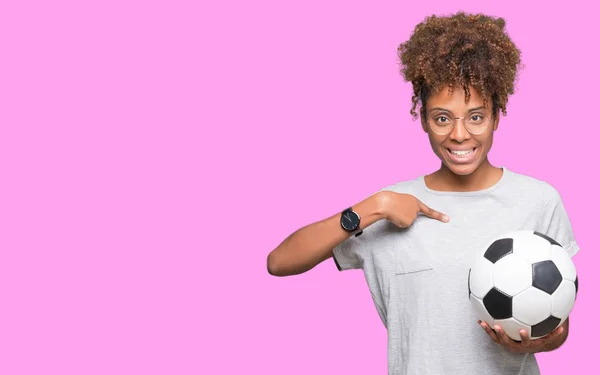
x,y
152,153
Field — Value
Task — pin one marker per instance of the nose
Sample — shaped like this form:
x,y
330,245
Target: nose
x,y
459,133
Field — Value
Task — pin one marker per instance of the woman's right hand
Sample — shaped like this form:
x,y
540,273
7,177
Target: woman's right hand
x,y
313,243
402,209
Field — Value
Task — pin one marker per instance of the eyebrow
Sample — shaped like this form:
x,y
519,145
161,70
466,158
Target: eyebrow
x,y
447,110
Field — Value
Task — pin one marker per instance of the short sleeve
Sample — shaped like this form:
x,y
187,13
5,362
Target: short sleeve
x,y
557,223
351,253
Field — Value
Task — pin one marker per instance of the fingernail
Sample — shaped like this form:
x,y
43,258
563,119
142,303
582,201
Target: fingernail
x,y
446,218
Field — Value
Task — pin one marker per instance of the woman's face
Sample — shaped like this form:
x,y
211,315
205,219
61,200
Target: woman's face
x,y
459,150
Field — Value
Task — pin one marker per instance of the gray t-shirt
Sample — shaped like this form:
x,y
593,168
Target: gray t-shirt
x,y
418,275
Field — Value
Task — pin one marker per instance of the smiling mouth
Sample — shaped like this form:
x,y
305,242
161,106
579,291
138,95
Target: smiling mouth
x,y
462,153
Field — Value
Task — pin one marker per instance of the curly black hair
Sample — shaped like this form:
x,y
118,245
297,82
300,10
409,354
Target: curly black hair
x,y
461,50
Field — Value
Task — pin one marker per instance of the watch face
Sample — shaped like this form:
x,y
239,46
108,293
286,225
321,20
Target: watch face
x,y
349,220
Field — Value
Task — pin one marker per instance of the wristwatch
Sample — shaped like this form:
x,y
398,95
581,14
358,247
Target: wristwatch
x,y
350,221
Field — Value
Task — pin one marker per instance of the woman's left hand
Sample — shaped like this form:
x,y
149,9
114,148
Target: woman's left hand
x,y
549,342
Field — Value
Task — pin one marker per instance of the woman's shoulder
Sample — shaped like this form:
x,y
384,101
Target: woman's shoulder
x,y
530,185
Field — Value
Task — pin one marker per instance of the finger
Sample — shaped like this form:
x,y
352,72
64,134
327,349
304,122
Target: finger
x,y
502,336
554,334
490,332
430,212
525,340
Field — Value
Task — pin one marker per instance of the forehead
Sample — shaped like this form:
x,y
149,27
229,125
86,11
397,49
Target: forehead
x,y
455,101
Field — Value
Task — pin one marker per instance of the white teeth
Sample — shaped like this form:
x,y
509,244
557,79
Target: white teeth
x,y
462,153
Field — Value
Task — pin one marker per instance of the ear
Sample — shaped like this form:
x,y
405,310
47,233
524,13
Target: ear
x,y
423,120
497,120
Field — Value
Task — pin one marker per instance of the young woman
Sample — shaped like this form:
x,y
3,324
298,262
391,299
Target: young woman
x,y
414,239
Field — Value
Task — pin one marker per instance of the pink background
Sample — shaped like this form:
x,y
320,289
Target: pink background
x,y
152,153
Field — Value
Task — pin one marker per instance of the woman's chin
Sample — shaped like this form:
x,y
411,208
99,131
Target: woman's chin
x,y
462,169
462,165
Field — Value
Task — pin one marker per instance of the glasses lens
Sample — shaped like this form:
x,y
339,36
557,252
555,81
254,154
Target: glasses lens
x,y
441,124
477,124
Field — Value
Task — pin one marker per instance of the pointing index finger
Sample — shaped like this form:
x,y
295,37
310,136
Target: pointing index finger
x,y
430,212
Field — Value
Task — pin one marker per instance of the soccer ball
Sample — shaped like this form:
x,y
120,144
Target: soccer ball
x,y
523,280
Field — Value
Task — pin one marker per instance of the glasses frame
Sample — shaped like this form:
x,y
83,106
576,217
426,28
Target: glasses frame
x,y
454,120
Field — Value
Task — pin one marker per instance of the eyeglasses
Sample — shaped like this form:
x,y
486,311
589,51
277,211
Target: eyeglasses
x,y
443,124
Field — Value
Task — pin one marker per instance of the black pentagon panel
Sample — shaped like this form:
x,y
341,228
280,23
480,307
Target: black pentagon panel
x,y
546,276
500,248
547,238
545,327
576,284
498,304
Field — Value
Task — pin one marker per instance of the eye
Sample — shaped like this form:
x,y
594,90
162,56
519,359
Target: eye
x,y
442,119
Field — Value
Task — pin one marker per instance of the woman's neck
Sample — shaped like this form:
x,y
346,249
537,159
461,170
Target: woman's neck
x,y
485,176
